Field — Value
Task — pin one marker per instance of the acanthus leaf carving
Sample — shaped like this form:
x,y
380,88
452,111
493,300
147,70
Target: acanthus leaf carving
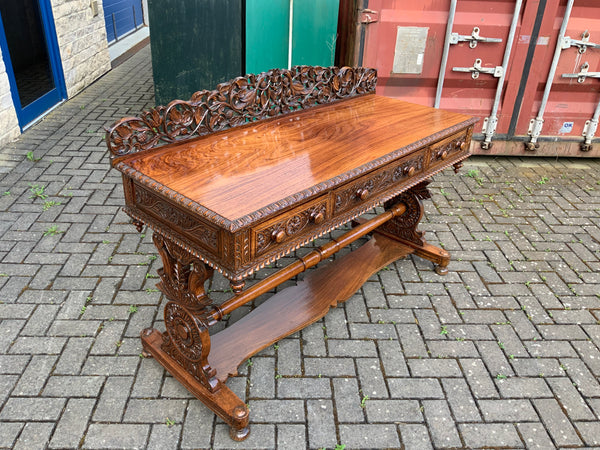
x,y
241,100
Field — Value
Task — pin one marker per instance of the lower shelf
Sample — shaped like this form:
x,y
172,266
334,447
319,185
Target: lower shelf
x,y
295,307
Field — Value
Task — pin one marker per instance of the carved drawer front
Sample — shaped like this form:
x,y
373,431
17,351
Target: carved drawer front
x,y
300,221
448,148
175,218
378,182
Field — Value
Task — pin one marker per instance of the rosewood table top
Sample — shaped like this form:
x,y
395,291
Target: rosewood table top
x,y
239,171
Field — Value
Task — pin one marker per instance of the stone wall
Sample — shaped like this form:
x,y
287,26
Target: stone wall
x,y
9,125
82,42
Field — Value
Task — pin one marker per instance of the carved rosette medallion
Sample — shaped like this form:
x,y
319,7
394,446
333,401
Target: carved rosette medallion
x,y
405,226
187,341
291,227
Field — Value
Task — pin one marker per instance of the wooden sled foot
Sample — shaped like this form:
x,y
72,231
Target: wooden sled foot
x,y
221,401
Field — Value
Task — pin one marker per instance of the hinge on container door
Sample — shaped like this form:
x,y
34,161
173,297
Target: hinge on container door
x,y
367,16
582,44
455,38
477,69
583,74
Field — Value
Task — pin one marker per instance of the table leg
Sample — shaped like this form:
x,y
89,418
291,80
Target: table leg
x,y
184,347
404,227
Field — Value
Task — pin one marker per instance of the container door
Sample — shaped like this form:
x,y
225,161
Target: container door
x,y
405,41
122,17
31,56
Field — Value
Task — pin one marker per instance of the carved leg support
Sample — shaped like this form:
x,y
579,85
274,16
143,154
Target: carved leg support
x,y
183,349
404,228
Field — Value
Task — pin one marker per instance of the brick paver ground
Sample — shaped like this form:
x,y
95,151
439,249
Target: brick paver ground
x,y
502,352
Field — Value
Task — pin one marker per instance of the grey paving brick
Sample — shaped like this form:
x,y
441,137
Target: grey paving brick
x,y
73,356
329,367
570,399
35,375
432,367
313,340
34,435
530,367
393,411
348,400
9,331
417,388
198,426
440,423
351,348
590,432
557,424
291,437
110,365
163,437
518,387
148,380
16,311
460,400
113,398
131,436
372,331
321,423
507,411
411,340
415,436
262,378
490,435
9,432
108,338
371,378
72,425
154,410
13,364
303,388
369,436
32,409
581,376
289,361
392,358
479,379
534,435
73,386
277,411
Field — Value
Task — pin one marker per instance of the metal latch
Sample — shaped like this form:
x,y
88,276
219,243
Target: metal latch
x,y
582,44
583,74
497,71
368,16
455,38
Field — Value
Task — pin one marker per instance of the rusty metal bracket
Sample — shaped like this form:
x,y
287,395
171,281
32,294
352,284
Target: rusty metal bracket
x,y
583,73
368,16
497,71
473,40
581,44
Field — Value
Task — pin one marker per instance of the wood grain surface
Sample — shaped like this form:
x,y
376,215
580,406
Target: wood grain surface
x,y
237,172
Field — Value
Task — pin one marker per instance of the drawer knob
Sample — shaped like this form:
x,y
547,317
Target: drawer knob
x,y
278,236
409,171
363,194
317,217
462,145
443,155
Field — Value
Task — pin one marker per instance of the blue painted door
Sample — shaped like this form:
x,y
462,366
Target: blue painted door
x,y
121,17
31,56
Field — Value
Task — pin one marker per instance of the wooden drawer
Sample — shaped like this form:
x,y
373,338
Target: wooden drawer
x,y
378,182
300,221
447,149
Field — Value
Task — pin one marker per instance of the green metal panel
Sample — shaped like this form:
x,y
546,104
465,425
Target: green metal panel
x,y
267,34
314,32
196,44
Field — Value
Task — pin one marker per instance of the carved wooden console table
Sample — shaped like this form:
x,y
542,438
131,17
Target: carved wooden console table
x,y
254,170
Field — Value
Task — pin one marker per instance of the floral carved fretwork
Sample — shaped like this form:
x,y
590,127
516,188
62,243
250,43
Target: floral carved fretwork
x,y
405,226
239,101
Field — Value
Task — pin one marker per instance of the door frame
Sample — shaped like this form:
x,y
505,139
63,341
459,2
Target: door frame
x,y
37,108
